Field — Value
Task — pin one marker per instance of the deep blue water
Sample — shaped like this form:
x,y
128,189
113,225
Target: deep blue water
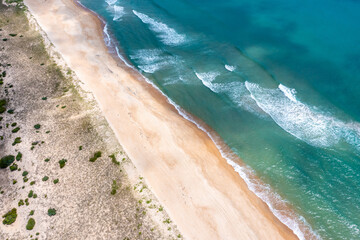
x,y
278,80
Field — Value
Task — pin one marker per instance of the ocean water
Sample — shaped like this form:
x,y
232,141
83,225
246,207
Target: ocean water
x,y
278,81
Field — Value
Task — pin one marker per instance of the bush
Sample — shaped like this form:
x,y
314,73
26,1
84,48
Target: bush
x,y
30,224
37,126
113,159
15,130
13,167
10,217
16,141
114,187
52,212
96,156
62,163
18,156
45,178
6,161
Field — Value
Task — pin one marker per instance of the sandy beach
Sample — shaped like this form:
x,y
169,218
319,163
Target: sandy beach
x,y
202,194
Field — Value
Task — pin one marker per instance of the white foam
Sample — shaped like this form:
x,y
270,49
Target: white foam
x,y
118,12
230,68
111,2
152,60
290,93
107,35
207,78
123,59
302,121
167,35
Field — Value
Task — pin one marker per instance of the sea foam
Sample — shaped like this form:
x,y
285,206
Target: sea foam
x,y
152,60
306,123
167,35
230,68
118,12
289,93
110,2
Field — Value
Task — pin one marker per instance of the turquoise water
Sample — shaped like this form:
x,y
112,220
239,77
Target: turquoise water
x,y
279,81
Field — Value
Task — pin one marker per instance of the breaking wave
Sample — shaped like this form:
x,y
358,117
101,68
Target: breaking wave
x,y
302,121
167,35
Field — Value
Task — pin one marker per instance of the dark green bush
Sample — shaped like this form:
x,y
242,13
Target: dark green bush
x,y
96,156
52,212
10,217
6,161
30,224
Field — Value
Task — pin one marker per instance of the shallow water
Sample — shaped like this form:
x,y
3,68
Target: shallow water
x,y
278,80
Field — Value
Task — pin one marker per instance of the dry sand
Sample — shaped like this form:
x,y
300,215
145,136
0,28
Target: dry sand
x,y
41,92
205,197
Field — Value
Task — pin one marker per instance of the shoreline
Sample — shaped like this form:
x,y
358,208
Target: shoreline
x,y
227,190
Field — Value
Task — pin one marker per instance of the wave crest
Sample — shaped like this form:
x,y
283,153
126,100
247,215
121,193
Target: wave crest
x,y
167,34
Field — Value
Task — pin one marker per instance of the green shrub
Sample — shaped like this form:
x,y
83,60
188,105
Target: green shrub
x,y
18,156
10,217
47,160
45,178
16,141
31,193
6,161
30,224
31,212
96,156
62,163
52,212
114,187
37,126
13,167
15,130
113,159
25,173
2,105
56,181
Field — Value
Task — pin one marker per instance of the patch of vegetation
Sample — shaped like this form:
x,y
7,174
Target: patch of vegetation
x,y
44,98
6,161
15,130
2,105
114,187
31,212
80,148
31,193
62,163
30,224
56,181
21,203
10,217
13,34
52,212
14,124
25,173
45,178
47,160
95,157
17,141
32,183
113,159
167,221
13,167
18,156
37,126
